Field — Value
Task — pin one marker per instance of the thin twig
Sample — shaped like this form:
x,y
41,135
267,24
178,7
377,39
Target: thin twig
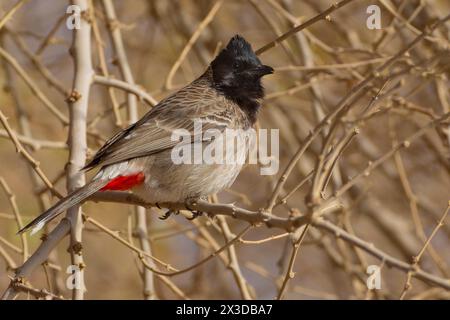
x,y
26,155
12,200
416,259
207,20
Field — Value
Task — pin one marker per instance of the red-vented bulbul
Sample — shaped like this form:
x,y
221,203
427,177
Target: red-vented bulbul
x,y
139,158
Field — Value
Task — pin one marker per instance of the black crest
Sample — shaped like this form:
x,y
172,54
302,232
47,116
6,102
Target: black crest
x,y
237,73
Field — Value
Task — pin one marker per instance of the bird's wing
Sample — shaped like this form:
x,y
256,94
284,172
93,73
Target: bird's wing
x,y
153,133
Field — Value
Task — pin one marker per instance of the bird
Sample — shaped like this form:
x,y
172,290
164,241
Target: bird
x,y
139,158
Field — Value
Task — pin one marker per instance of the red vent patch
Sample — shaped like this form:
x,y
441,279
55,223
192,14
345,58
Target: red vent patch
x,y
124,182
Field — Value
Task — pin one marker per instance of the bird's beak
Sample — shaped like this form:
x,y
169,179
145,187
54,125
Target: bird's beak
x,y
263,70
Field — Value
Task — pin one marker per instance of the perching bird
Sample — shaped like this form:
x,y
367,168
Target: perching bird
x,y
140,159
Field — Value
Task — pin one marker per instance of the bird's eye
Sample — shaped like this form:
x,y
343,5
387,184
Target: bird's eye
x,y
237,65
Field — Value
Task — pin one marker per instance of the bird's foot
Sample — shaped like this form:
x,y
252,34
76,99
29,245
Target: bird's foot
x,y
195,214
189,204
168,213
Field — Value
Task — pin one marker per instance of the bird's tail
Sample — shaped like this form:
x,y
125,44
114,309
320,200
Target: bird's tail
x,y
63,204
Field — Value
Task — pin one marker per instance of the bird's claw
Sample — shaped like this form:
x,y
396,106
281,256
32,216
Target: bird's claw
x,y
195,214
166,215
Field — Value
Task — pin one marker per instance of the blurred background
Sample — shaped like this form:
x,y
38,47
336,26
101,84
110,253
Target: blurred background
x,y
396,207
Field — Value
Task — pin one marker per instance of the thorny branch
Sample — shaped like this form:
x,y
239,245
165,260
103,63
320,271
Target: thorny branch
x,y
78,106
336,179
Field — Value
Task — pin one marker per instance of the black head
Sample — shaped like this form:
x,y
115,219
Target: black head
x,y
237,71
